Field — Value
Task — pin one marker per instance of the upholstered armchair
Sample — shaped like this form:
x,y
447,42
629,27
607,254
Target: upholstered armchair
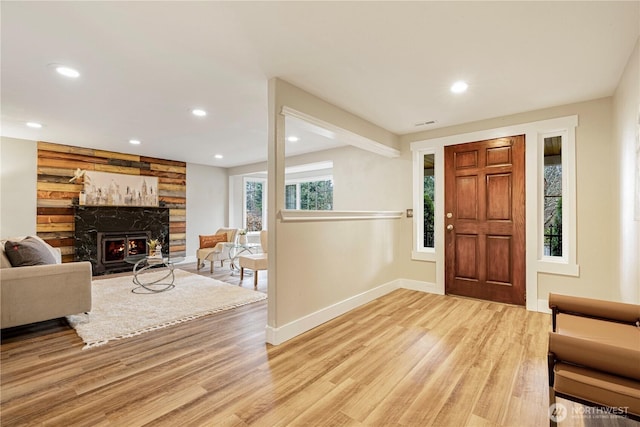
x,y
594,354
216,247
255,262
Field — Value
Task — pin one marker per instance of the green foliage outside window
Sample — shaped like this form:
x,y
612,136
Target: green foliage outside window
x,y
429,210
254,205
313,195
316,195
290,196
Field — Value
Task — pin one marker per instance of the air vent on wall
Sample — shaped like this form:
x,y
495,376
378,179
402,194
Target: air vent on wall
x,y
428,122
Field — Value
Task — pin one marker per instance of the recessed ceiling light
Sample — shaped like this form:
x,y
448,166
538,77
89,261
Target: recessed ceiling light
x,y
134,141
293,139
218,156
198,112
459,87
34,125
67,71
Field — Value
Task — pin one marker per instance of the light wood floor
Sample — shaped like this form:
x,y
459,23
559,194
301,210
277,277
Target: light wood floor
x,y
406,359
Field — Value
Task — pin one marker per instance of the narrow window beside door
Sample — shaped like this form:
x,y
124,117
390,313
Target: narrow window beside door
x,y
553,196
557,202
428,181
425,207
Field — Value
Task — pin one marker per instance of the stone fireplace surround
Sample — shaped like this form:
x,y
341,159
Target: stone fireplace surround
x,y
94,221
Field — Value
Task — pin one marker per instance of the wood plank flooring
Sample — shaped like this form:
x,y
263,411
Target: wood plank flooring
x,y
406,359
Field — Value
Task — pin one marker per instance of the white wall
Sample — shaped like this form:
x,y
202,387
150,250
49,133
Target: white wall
x,y
236,194
597,205
207,203
18,187
626,125
367,181
311,274
317,266
362,180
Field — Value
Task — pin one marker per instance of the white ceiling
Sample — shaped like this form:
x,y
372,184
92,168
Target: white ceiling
x,y
145,65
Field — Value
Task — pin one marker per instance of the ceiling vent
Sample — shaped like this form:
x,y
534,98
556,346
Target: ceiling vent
x,y
428,122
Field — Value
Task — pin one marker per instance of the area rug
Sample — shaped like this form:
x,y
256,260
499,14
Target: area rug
x,y
118,313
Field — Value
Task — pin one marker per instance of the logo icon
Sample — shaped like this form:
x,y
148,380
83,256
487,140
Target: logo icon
x,y
557,412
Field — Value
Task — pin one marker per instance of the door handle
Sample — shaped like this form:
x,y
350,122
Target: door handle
x,y
450,227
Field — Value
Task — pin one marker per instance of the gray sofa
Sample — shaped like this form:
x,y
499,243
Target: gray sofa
x,y
42,292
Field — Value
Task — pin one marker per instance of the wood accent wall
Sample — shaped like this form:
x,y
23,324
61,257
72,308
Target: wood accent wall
x,y
56,195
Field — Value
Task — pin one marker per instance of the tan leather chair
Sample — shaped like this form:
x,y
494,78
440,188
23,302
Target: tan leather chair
x,y
594,354
255,262
220,252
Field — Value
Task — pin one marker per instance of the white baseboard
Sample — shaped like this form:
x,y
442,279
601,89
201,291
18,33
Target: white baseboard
x,y
276,336
417,285
284,333
543,306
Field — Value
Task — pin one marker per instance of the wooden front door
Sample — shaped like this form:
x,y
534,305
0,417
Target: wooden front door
x,y
485,220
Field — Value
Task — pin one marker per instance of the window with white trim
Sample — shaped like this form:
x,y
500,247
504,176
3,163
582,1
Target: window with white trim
x,y
427,234
552,196
424,210
309,194
254,212
557,202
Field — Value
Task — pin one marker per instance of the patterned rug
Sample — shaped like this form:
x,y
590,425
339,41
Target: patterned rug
x,y
119,313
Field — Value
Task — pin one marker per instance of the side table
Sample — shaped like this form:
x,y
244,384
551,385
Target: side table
x,y
142,263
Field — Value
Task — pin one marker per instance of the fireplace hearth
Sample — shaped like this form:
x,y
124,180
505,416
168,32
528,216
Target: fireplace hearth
x,y
106,235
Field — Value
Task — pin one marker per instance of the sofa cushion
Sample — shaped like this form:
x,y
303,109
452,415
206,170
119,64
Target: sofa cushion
x,y
4,261
212,240
29,251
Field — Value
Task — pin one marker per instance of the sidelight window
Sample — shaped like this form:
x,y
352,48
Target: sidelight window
x,y
552,203
424,206
557,202
428,202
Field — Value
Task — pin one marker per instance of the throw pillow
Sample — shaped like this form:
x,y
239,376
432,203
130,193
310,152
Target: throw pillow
x,y
212,240
28,251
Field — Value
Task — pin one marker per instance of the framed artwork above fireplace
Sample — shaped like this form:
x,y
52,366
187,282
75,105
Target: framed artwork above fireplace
x,y
115,189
